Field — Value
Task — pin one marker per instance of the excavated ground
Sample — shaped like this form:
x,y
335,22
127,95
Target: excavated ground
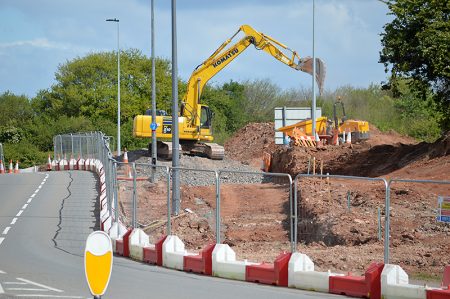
x,y
338,220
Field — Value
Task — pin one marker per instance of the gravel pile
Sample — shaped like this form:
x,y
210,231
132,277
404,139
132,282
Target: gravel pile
x,y
203,175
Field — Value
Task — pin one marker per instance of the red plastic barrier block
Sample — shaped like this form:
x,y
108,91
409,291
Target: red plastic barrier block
x,y
438,294
154,255
367,286
201,263
122,247
446,277
274,274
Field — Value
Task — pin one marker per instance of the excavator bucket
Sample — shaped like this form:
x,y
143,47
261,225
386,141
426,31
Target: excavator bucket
x,y
307,66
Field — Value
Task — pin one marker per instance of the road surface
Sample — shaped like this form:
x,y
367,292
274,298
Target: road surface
x,y
45,219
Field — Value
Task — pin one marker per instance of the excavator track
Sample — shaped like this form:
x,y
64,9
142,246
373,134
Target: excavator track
x,y
164,149
214,151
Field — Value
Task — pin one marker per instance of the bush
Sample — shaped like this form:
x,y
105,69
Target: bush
x,y
26,153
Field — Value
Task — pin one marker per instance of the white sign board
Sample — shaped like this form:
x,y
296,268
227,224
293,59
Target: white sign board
x,y
292,115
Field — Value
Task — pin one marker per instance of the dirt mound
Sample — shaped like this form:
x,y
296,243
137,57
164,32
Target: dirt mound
x,y
362,159
378,137
248,144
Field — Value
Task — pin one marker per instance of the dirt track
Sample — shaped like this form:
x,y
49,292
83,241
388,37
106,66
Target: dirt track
x,y
254,216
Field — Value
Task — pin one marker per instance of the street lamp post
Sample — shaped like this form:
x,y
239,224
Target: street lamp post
x,y
154,149
313,109
118,86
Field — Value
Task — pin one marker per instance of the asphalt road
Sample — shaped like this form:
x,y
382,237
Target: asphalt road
x,y
45,219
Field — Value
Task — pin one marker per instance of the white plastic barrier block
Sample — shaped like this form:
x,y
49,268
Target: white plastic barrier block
x,y
138,240
301,274
395,284
173,253
117,231
224,263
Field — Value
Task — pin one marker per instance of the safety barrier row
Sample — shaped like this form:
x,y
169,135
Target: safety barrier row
x,y
294,270
290,269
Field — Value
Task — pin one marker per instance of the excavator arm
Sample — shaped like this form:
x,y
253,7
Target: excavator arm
x,y
224,55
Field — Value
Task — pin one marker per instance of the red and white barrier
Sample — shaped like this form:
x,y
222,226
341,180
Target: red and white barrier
x,y
138,240
225,265
301,274
395,284
2,168
174,252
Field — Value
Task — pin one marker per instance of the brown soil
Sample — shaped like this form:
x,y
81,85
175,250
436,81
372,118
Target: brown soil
x,y
249,143
337,220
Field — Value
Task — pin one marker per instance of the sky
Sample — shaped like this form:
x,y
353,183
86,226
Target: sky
x,y
38,35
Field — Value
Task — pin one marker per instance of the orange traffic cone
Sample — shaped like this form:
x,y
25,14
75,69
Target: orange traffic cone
x,y
127,167
2,168
335,138
16,169
49,163
10,170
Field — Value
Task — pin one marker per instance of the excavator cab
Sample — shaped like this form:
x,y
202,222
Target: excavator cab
x,y
206,116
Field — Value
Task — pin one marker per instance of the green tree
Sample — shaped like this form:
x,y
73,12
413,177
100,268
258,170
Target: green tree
x,y
416,45
87,86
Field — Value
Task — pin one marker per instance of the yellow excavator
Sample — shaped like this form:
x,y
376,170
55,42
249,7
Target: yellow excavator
x,y
195,120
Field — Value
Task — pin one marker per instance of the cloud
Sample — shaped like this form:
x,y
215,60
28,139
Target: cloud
x,y
347,35
42,43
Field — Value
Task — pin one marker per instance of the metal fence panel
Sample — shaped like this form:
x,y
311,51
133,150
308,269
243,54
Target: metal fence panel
x,y
418,239
347,201
248,219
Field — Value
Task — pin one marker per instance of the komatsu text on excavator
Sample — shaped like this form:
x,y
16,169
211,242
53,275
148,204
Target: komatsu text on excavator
x,y
195,120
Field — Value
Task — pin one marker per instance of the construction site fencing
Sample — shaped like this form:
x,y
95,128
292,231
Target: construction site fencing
x,y
92,145
140,179
425,228
317,226
191,178
143,184
81,145
282,179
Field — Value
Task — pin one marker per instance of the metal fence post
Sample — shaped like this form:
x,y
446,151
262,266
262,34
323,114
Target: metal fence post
x,y
387,222
169,208
134,220
218,220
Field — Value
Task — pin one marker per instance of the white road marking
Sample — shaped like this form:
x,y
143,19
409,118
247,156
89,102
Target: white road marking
x,y
32,195
24,206
39,285
6,230
1,240
26,289
48,296
2,272
40,186
1,289
20,213
14,282
13,221
29,199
